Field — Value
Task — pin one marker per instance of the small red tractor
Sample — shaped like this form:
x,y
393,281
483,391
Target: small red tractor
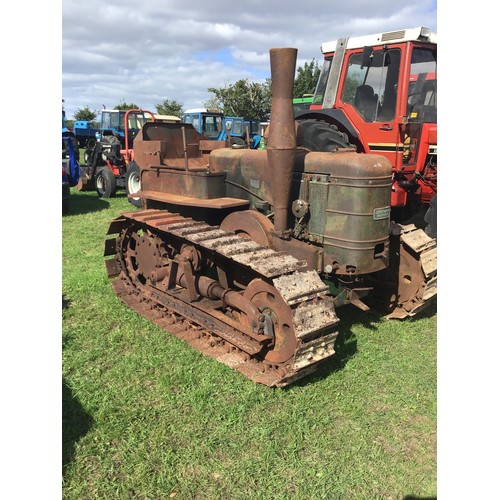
x,y
110,164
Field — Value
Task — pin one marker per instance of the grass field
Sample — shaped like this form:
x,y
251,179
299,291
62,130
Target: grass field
x,y
146,416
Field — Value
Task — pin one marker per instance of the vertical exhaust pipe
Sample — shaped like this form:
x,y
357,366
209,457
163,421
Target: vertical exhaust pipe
x,y
282,141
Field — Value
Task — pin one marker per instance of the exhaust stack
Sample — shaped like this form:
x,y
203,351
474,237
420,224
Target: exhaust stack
x,y
282,141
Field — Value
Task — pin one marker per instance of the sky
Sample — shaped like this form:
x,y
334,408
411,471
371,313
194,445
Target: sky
x,y
145,52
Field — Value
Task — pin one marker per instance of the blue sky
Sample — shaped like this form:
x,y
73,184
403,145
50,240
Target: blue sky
x,y
117,51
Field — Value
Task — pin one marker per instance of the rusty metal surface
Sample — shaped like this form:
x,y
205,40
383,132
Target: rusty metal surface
x,y
348,196
249,293
190,201
175,145
282,143
270,302
251,225
279,326
415,261
194,184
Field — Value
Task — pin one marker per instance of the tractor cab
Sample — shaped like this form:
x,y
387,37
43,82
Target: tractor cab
x,y
205,122
380,90
114,122
213,125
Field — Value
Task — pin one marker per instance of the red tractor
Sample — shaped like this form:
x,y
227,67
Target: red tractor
x,y
378,94
110,164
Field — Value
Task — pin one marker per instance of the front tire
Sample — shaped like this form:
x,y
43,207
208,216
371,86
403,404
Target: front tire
x,y
105,183
87,156
133,183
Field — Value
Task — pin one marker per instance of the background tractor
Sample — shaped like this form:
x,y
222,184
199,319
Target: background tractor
x,y
71,171
110,165
238,131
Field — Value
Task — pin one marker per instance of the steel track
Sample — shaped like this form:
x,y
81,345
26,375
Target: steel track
x,y
202,324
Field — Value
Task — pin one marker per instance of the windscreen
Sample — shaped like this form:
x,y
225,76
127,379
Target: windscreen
x,y
422,86
319,94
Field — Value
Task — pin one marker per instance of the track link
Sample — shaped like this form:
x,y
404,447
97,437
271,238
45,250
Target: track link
x,y
303,309
417,280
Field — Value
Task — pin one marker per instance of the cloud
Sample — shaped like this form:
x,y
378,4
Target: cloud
x,y
118,51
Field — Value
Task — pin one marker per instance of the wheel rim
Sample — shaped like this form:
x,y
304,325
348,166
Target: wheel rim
x,y
269,302
249,224
99,182
134,183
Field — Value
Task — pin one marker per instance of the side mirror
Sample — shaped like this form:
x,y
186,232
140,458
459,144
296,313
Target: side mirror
x,y
367,57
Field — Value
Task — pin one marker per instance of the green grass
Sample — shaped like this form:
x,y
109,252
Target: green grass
x,y
146,416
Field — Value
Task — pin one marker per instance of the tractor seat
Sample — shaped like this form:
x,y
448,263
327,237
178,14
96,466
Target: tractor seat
x,y
365,102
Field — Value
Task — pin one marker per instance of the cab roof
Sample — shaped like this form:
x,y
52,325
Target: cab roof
x,y
420,34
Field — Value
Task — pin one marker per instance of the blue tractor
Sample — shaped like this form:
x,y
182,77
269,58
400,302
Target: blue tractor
x,y
240,132
85,132
112,123
70,163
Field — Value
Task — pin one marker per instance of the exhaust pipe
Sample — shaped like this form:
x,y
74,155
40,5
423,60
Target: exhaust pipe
x,y
282,141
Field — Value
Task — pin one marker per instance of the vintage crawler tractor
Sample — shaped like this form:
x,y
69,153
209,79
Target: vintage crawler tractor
x,y
245,254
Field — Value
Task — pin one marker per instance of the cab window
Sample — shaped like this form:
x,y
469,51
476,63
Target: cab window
x,y
319,93
372,88
422,86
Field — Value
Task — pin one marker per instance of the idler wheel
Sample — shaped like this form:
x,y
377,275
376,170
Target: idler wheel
x,y
270,303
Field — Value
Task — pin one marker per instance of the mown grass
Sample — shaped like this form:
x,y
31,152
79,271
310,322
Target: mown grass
x,y
146,416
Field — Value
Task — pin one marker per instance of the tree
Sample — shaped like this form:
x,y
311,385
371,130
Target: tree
x,y
245,98
85,114
253,100
306,79
123,106
213,104
170,107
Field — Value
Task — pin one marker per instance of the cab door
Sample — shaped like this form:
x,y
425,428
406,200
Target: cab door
x,y
369,97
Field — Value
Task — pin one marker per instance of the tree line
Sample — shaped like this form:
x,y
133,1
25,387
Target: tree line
x,y
242,98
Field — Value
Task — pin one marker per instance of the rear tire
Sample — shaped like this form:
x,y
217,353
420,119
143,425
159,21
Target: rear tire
x,y
133,182
319,135
87,156
105,183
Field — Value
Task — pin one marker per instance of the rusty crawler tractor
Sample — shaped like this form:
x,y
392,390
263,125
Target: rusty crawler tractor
x,y
236,250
